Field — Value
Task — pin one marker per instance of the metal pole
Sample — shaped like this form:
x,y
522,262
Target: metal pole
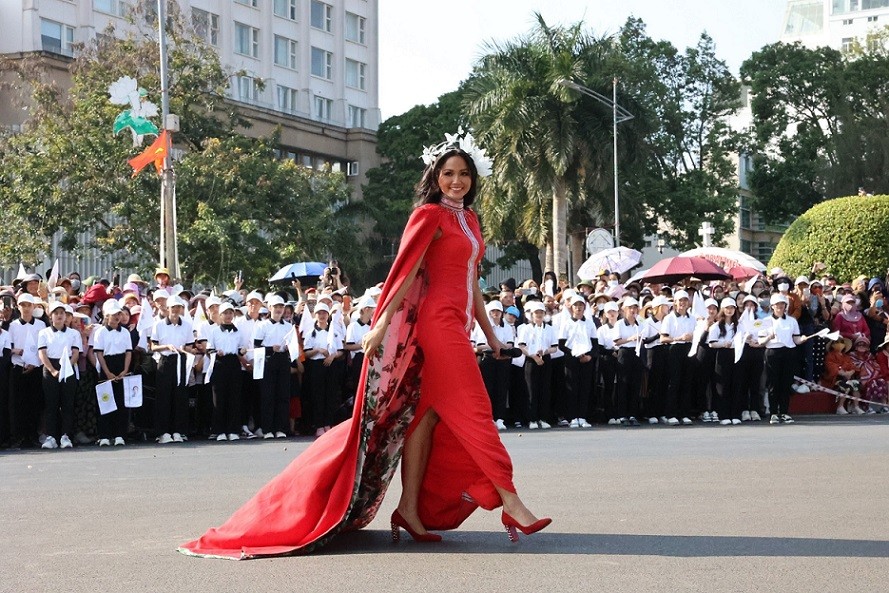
x,y
168,249
614,132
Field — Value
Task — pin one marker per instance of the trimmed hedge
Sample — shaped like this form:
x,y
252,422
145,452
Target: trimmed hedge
x,y
850,235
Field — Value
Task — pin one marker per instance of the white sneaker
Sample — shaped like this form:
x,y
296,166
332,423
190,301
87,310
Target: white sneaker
x,y
714,417
736,421
803,389
754,416
774,419
583,423
663,420
104,443
319,432
870,410
673,421
499,424
49,443
857,410
706,417
42,439
613,421
177,438
65,442
786,419
745,416
795,387
258,433
119,442
233,437
686,420
652,420
574,424
533,426
841,411
165,438
268,435
544,424
281,435
563,422
222,437
246,432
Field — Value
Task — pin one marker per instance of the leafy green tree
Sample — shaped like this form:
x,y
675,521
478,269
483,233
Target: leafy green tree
x,y
66,171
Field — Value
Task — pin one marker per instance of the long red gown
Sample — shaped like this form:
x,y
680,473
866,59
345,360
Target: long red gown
x,y
339,482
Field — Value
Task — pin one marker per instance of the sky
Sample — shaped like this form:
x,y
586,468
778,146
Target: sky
x,y
428,47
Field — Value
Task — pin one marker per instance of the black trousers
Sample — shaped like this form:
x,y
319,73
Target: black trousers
x,y
250,399
608,374
171,400
5,424
558,387
702,370
578,386
495,374
780,367
747,378
322,393
275,389
518,394
629,382
726,399
226,385
25,404
538,379
115,424
680,381
58,399
658,378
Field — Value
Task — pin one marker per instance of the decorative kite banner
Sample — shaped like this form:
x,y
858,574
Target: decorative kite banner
x,y
125,91
156,153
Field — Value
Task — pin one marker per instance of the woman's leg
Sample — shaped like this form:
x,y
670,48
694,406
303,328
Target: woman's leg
x,y
414,458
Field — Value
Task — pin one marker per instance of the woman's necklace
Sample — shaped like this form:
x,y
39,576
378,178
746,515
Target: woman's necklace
x,y
450,203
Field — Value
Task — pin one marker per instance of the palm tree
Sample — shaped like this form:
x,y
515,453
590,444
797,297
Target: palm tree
x,y
548,147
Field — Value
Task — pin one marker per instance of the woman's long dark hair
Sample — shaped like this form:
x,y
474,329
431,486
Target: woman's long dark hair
x,y
722,319
428,191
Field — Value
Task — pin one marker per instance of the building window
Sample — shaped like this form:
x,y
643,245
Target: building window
x,y
252,3
287,98
872,19
322,16
206,25
323,108
246,40
322,63
847,21
357,117
847,44
286,9
745,246
285,52
56,38
355,26
248,89
113,7
355,74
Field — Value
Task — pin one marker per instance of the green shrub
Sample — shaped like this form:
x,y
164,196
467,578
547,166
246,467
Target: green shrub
x,y
850,235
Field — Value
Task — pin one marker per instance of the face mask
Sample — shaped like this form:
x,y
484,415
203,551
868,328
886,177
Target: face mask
x,y
806,293
783,287
38,312
532,291
547,318
75,285
828,298
612,283
879,304
764,303
600,307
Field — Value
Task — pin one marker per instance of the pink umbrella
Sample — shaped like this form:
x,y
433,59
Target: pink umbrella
x,y
673,269
743,272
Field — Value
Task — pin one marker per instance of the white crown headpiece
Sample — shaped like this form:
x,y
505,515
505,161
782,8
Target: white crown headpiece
x,y
464,141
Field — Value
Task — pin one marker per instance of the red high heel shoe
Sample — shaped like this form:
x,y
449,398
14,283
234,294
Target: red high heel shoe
x,y
511,525
398,521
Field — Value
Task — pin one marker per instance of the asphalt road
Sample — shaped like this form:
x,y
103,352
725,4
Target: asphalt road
x,y
705,508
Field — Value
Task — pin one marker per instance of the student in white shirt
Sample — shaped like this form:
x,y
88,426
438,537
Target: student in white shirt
x,y
53,344
704,364
656,352
577,340
224,339
172,338
627,337
25,378
721,339
518,390
250,387
4,384
748,370
354,334
537,342
320,354
781,339
677,331
113,346
493,365
273,334
608,360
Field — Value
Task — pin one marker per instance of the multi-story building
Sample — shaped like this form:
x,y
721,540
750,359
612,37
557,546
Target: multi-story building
x,y
834,23
309,68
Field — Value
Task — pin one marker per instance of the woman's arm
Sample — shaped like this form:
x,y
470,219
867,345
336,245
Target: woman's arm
x,y
484,323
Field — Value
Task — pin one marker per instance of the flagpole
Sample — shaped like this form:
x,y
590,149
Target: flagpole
x,y
168,247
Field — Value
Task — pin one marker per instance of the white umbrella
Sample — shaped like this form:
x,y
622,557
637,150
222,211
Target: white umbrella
x,y
638,275
726,258
616,259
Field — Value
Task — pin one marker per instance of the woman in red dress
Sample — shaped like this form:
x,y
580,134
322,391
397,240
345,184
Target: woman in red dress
x,y
453,459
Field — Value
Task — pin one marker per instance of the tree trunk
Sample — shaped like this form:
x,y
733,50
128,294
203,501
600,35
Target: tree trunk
x,y
560,221
578,254
549,255
534,259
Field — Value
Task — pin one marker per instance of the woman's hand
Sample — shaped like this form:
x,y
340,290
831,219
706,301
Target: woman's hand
x,y
496,345
372,340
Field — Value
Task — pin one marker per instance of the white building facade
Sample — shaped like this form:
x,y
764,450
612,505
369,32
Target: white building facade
x,y
833,23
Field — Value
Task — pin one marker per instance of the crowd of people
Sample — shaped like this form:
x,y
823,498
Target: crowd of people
x,y
600,352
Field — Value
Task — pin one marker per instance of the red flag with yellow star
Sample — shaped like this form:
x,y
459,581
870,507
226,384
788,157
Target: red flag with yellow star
x,y
156,153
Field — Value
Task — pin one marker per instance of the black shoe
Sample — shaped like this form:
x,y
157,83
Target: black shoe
x,y
624,422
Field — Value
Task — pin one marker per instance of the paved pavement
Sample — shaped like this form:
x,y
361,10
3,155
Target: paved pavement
x,y
705,508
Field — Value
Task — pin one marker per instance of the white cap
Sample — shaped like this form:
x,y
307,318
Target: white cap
x,y
26,297
253,296
610,306
211,301
679,294
776,272
777,298
728,302
494,305
175,301
110,307
629,302
322,307
711,303
374,292
801,280
366,301
576,299
160,294
534,306
849,298
274,300
660,300
226,307
751,299
58,305
325,296
568,293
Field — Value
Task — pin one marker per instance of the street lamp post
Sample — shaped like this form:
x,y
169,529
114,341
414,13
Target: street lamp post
x,y
619,115
169,249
